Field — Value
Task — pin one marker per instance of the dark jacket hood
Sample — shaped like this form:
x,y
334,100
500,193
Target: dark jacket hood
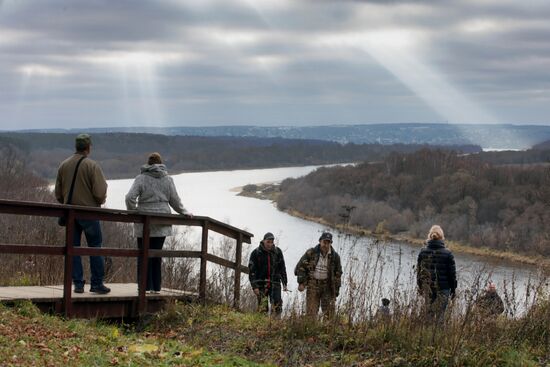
x,y
154,170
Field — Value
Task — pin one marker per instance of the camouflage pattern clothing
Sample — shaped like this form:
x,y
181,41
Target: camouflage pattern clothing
x,y
323,292
489,304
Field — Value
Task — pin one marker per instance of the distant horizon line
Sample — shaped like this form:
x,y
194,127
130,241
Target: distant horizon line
x,y
270,126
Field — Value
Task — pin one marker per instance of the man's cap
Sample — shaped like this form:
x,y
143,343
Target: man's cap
x,y
326,236
269,236
83,139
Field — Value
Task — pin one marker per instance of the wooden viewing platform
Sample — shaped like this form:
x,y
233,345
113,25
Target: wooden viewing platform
x,y
125,300
121,302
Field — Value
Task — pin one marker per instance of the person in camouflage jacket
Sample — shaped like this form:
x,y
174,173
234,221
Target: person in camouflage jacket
x,y
319,272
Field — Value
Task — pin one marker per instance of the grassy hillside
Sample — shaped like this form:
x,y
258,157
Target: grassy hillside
x,y
190,335
28,338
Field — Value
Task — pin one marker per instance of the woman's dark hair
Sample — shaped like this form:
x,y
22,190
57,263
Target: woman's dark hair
x,y
154,158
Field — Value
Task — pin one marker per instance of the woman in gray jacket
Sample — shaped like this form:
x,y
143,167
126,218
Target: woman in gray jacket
x,y
154,191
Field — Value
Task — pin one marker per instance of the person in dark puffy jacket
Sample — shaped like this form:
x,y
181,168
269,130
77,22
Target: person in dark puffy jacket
x,y
267,271
436,273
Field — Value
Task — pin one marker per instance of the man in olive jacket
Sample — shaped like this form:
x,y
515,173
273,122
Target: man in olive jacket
x,y
267,271
90,189
320,271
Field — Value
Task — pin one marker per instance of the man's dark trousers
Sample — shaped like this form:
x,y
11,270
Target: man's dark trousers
x,y
273,295
92,231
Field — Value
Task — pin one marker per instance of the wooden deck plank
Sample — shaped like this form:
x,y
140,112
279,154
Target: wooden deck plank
x,y
22,293
51,293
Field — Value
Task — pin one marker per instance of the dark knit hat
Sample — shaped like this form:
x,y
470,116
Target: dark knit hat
x,y
269,236
326,236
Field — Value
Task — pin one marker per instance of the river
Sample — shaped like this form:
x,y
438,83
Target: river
x,y
387,265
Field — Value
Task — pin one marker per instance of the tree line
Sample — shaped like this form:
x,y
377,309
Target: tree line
x,y
478,203
531,156
121,154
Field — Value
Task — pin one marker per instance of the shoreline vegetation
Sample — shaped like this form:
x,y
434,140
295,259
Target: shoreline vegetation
x,y
271,191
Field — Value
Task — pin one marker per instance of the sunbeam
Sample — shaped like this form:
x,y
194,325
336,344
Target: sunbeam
x,y
37,75
399,51
396,50
268,64
138,71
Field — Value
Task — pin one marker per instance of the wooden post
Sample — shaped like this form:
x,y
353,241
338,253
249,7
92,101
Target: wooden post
x,y
204,254
69,251
143,261
238,260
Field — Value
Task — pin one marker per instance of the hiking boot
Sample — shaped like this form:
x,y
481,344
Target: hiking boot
x,y
78,289
100,290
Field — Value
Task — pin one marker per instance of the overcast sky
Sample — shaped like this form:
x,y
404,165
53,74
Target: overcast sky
x,y
277,62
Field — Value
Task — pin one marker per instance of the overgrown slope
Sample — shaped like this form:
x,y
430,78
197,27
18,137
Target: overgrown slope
x,y
191,335
28,338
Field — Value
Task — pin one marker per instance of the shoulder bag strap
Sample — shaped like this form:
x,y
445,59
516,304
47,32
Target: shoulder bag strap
x,y
70,198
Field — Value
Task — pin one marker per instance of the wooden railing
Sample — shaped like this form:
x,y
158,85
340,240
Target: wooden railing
x,y
72,212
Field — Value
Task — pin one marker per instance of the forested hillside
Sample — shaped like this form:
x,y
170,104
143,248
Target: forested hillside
x,y
121,154
501,207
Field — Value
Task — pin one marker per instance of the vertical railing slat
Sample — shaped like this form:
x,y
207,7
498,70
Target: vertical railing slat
x,y
238,260
143,261
68,275
204,259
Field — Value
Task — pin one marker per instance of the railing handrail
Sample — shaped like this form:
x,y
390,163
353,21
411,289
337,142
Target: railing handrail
x,y
73,212
117,215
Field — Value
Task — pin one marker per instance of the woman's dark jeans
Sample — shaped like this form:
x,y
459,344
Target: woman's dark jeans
x,y
437,305
154,264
